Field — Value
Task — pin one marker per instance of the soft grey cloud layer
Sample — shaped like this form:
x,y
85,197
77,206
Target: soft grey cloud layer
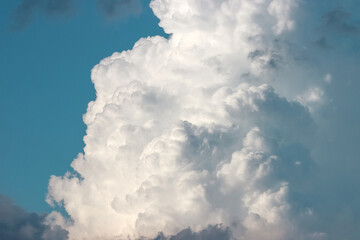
x,y
18,224
237,119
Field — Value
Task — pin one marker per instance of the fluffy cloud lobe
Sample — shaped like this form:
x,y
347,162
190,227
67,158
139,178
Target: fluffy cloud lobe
x,y
209,134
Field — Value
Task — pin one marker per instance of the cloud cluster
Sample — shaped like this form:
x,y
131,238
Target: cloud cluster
x,y
18,224
227,123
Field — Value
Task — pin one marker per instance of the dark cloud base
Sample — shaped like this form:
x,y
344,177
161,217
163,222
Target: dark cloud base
x,y
18,224
212,232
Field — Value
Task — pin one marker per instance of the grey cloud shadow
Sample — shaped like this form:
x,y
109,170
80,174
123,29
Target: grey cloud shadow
x,y
18,224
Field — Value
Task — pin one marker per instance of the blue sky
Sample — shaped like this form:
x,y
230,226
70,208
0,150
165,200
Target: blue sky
x,y
45,88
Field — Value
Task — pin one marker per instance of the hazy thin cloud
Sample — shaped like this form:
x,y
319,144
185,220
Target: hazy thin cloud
x,y
25,12
114,9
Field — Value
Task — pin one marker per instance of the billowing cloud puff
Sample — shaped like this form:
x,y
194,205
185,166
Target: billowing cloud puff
x,y
217,130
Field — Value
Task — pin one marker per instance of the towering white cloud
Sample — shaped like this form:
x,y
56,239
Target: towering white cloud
x,y
222,123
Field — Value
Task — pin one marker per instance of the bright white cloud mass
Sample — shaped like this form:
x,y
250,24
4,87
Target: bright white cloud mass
x,y
243,124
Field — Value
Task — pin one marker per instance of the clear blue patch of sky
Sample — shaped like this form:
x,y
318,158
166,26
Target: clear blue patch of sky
x,y
44,90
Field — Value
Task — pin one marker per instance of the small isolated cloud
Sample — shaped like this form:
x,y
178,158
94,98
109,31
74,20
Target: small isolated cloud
x,y
18,224
328,78
119,8
24,13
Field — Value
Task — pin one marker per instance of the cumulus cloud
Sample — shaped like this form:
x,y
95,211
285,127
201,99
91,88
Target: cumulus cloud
x,y
223,128
18,224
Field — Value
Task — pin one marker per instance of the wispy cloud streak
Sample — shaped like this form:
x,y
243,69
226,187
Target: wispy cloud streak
x,y
27,10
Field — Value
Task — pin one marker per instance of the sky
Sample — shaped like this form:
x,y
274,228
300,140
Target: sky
x,y
191,119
